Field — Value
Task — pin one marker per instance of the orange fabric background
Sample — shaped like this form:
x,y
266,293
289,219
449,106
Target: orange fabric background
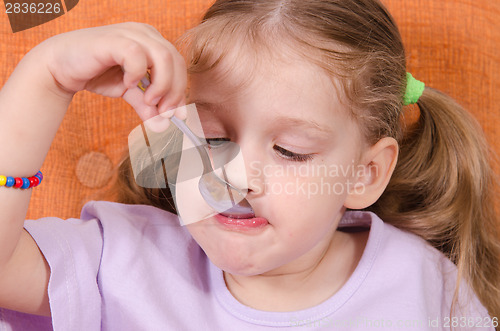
x,y
451,45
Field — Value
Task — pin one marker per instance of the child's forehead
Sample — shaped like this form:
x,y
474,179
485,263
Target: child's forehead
x,y
283,83
235,63
244,48
242,66
242,60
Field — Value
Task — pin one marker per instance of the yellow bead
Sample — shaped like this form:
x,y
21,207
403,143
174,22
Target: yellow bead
x,y
3,180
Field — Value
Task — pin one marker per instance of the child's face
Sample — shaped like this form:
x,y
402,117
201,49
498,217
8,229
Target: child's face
x,y
301,152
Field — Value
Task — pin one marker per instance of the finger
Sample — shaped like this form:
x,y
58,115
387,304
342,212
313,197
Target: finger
x,y
163,61
132,57
157,123
135,98
148,114
177,94
181,112
179,89
162,72
148,49
135,66
114,82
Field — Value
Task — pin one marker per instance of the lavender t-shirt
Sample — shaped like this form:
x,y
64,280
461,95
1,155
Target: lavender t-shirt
x,y
133,267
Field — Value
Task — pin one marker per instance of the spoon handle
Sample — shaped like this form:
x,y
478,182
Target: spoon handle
x,y
186,130
205,159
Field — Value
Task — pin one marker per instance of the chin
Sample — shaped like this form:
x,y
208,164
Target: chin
x,y
237,265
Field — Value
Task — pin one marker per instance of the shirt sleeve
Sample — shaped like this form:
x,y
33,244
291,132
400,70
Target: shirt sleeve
x,y
73,250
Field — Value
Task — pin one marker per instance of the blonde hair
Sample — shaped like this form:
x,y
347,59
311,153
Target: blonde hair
x,y
442,187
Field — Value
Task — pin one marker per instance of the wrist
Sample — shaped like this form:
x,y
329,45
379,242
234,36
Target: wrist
x,y
42,61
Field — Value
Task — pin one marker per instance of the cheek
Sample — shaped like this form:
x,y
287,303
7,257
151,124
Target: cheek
x,y
305,209
308,185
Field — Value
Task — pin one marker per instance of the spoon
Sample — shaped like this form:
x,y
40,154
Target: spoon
x,y
217,192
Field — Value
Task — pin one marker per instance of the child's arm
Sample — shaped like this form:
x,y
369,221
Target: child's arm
x,y
108,60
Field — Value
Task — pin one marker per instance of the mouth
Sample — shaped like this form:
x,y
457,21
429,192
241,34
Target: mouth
x,y
228,214
241,224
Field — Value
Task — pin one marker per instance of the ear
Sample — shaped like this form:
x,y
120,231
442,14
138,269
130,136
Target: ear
x,y
374,172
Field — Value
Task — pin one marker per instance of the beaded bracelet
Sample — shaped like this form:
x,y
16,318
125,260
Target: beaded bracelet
x,y
21,182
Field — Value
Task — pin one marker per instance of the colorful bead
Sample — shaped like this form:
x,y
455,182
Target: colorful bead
x,y
18,183
21,182
26,183
10,182
39,175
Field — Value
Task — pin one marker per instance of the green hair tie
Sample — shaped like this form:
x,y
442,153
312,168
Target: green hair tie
x,y
414,89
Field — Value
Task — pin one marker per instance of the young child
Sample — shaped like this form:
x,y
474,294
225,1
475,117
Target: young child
x,y
300,86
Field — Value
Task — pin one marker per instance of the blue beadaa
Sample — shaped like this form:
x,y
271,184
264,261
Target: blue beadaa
x,y
10,182
26,183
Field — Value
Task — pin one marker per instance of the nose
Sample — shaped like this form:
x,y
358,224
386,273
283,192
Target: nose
x,y
233,169
244,171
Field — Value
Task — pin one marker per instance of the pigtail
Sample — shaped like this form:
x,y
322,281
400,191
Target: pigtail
x,y
443,190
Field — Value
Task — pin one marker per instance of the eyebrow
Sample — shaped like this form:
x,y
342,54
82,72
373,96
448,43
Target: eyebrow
x,y
283,120
209,106
302,123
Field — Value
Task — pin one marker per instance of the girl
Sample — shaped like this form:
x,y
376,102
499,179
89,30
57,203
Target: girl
x,y
298,85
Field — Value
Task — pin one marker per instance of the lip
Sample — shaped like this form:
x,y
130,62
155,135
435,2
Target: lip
x,y
242,224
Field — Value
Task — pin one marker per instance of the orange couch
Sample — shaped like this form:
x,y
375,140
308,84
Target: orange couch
x,y
451,45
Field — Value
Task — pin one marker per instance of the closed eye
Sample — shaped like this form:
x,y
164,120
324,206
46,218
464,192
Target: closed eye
x,y
216,142
284,153
289,155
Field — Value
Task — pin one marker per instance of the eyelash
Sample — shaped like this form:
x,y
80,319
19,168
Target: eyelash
x,y
284,153
291,156
210,140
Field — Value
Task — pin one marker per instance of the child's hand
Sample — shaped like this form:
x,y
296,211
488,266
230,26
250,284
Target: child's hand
x,y
111,60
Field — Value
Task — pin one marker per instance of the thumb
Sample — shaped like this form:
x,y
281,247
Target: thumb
x,y
148,114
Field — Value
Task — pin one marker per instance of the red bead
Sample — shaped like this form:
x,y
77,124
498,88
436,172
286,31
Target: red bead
x,y
36,181
32,181
19,182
